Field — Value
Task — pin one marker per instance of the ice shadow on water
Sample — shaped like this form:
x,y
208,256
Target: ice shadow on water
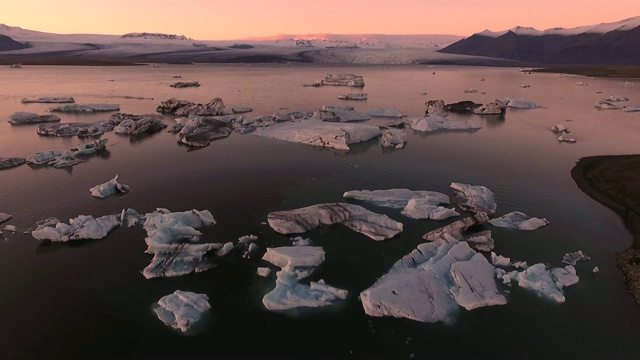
x,y
137,138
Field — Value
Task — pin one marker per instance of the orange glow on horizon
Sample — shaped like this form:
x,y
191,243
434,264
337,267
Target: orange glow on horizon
x,y
243,19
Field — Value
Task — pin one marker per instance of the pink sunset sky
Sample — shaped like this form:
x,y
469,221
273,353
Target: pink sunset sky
x,y
238,19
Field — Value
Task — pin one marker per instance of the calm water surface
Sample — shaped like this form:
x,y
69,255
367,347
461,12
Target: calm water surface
x,y
89,298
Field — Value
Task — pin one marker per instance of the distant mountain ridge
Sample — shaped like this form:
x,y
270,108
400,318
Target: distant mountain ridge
x,y
7,43
616,43
154,36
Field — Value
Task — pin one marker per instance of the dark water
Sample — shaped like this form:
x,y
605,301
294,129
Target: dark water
x,y
89,299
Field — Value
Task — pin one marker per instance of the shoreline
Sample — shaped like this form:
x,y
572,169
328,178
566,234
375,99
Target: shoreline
x,y
612,180
616,72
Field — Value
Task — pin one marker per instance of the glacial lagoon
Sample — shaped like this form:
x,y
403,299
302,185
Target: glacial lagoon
x,y
90,298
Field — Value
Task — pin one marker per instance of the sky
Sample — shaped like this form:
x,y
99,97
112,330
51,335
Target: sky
x,y
239,19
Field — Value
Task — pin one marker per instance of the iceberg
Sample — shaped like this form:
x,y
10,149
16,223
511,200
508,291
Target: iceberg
x,y
342,79
86,108
130,218
395,198
518,221
559,128
22,118
297,263
357,218
631,108
4,217
341,114
241,109
580,83
186,108
67,158
79,228
225,249
6,163
474,198
318,133
181,84
521,103
353,97
615,98
300,241
90,148
427,208
545,283
481,241
435,123
263,271
435,108
182,309
200,131
565,276
430,283
493,108
53,99
603,104
499,260
144,124
44,157
109,188
75,129
393,138
565,139
574,257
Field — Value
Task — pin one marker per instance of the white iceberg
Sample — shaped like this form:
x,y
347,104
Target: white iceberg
x,y
22,118
521,103
565,139
518,221
393,138
170,238
182,309
481,241
109,188
457,229
574,257
427,208
615,98
357,218
545,283
90,148
474,198
297,263
603,104
565,276
52,99
263,271
300,241
499,260
79,228
4,217
225,249
426,286
580,83
130,218
559,128
318,133
396,198
493,108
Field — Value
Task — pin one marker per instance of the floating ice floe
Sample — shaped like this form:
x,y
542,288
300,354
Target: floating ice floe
x,y
79,228
518,221
353,97
545,283
566,139
241,109
481,241
574,257
580,83
181,84
109,188
473,90
182,309
395,138
300,241
341,114
379,112
457,229
52,99
357,218
595,270
474,198
75,129
426,208
170,238
44,157
607,105
263,271
521,103
436,123
225,249
185,108
493,108
559,128
499,260
615,98
297,263
82,108
6,163
66,159
342,79
435,108
395,198
524,86
430,283
149,124
22,118
631,108
200,131
4,217
130,218
10,228
90,148
318,133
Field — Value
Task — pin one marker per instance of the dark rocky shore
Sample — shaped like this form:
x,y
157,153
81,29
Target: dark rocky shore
x,y
614,181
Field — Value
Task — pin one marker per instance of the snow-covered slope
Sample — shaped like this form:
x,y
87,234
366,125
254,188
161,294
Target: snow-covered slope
x,y
622,25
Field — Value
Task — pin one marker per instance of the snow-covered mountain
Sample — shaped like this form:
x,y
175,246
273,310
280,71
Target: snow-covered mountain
x,y
616,43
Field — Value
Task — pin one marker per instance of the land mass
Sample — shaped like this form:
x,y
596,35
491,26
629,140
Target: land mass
x,y
613,181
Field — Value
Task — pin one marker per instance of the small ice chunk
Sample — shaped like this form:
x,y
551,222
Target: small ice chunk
x,y
574,257
566,139
595,270
580,83
519,221
499,260
521,103
436,123
130,217
264,271
226,248
300,241
294,256
182,309
481,241
109,188
393,138
559,128
4,217
246,239
379,112
520,264
540,280
10,228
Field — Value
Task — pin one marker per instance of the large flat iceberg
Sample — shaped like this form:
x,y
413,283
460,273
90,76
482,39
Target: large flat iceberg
x,y
357,218
79,228
519,221
318,133
474,198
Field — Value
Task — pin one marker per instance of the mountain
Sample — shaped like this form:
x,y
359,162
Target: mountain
x,y
616,43
7,43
